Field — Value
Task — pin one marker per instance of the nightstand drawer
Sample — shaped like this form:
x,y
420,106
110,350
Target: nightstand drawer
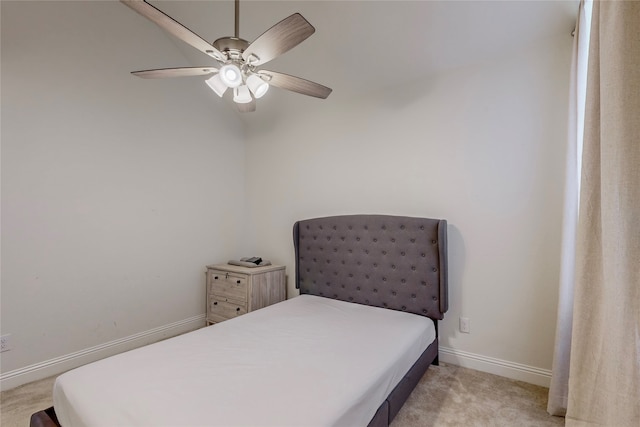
x,y
228,285
220,310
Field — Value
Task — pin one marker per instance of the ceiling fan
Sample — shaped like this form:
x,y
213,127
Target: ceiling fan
x,y
239,60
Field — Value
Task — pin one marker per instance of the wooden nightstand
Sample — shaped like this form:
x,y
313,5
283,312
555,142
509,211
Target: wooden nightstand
x,y
233,290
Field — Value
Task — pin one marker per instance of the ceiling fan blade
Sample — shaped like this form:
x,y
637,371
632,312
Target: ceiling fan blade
x,y
172,26
162,73
246,107
278,39
295,84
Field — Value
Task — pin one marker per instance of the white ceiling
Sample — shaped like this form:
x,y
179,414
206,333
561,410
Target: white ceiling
x,y
360,46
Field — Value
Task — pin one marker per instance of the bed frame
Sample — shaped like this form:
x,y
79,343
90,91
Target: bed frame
x,y
394,262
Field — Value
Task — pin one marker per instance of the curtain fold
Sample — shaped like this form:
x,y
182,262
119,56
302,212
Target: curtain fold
x,y
604,375
559,388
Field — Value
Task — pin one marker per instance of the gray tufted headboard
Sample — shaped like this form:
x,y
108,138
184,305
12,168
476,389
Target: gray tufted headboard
x,y
387,261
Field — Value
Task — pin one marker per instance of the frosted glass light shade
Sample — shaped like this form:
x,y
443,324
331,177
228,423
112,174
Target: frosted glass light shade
x,y
241,94
216,84
230,75
257,86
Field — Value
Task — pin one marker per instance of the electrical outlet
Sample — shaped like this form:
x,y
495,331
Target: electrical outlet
x,y
5,343
464,325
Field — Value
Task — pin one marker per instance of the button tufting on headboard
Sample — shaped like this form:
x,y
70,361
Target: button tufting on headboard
x,y
402,257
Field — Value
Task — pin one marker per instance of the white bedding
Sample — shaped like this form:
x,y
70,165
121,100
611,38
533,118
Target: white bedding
x,y
307,361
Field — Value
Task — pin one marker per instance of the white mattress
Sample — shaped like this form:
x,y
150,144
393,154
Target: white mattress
x,y
307,361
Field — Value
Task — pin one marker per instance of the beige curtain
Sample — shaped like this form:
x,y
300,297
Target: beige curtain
x,y
604,377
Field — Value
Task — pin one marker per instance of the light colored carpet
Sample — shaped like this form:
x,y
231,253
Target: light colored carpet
x,y
446,396
449,396
17,405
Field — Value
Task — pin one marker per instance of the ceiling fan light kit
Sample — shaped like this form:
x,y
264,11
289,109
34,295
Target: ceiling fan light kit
x,y
216,84
238,58
230,75
241,95
257,86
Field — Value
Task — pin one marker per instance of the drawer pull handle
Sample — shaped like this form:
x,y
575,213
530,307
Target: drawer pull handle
x,y
215,303
238,309
238,282
215,277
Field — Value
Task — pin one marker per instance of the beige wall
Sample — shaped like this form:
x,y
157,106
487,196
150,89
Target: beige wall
x,y
116,191
482,147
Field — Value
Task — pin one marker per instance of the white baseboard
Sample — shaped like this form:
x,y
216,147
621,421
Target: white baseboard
x,y
504,368
55,366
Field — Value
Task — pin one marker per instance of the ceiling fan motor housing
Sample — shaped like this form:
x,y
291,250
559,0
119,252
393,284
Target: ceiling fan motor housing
x,y
231,47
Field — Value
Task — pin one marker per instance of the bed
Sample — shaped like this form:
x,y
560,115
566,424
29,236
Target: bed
x,y
347,352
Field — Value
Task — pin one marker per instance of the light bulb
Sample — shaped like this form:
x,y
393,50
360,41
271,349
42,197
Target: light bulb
x,y
230,75
216,84
241,94
258,86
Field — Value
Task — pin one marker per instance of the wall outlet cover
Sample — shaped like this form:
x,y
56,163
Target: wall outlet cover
x,y
464,325
5,343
